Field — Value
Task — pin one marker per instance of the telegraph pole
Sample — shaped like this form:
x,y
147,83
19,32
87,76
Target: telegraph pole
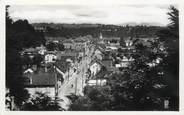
x,y
82,80
76,86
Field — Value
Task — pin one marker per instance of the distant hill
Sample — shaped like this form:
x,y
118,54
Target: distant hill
x,y
143,24
57,30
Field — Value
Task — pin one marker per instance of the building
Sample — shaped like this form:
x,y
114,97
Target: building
x,y
47,82
125,62
50,57
95,67
67,55
68,44
112,40
80,44
41,50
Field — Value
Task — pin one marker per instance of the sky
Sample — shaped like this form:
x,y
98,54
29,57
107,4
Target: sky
x,y
103,14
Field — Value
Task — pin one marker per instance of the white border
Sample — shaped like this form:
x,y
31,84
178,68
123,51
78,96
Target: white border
x,y
87,2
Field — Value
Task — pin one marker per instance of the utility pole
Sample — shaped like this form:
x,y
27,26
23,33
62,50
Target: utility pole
x,y
82,80
76,86
68,72
56,85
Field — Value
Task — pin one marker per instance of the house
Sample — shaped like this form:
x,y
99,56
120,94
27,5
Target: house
x,y
100,78
30,52
98,54
80,44
67,54
68,44
108,64
128,42
50,57
28,71
112,40
45,82
125,62
41,50
100,82
95,67
154,62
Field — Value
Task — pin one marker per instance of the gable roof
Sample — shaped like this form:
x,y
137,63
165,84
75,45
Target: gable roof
x,y
28,71
64,56
96,61
42,78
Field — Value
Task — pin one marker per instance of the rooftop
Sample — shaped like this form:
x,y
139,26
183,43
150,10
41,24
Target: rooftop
x,y
68,41
42,78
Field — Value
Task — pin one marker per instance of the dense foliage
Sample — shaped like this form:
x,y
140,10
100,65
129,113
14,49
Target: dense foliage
x,y
19,34
170,37
51,46
41,102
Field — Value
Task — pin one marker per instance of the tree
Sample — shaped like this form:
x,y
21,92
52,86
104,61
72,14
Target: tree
x,y
95,99
19,34
41,102
37,59
170,37
14,79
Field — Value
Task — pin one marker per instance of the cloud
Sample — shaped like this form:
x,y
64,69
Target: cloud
x,y
115,14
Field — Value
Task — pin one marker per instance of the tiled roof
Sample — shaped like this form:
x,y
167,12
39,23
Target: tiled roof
x,y
71,55
43,78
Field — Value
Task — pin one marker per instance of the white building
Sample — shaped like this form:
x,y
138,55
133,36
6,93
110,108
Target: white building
x,y
50,58
41,50
44,82
95,67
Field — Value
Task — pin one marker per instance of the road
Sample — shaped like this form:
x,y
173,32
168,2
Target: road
x,y
74,85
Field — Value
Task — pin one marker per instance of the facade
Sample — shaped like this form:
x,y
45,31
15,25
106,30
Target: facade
x,y
95,68
50,58
68,44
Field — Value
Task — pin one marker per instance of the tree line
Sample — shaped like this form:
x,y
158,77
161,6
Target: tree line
x,y
72,31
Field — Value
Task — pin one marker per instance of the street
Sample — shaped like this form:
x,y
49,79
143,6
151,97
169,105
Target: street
x,y
74,85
